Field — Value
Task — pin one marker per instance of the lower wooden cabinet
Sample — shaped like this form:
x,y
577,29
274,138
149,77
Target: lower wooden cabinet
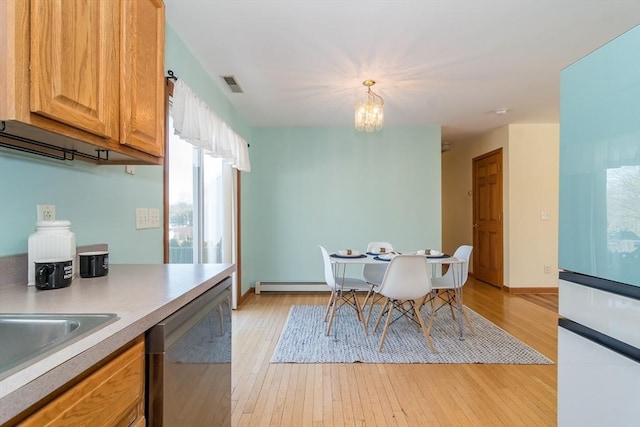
x,y
112,395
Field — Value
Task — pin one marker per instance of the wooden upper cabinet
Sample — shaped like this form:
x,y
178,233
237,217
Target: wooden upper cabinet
x,y
84,76
142,117
74,63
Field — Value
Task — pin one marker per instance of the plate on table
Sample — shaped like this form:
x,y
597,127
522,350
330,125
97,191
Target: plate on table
x,y
354,254
438,256
383,257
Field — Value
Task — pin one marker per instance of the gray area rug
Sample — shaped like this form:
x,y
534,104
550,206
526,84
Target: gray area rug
x,y
204,343
303,340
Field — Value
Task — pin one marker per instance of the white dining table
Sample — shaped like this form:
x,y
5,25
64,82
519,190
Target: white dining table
x,y
341,262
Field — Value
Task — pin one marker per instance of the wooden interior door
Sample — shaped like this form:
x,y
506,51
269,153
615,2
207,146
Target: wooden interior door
x,y
487,218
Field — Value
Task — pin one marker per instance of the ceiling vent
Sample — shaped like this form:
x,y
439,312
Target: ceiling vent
x,y
232,83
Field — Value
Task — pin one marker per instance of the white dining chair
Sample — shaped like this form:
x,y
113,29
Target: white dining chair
x,y
343,292
373,274
445,289
407,281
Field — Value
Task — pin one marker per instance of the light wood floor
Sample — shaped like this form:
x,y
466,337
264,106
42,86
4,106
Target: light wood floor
x,y
392,394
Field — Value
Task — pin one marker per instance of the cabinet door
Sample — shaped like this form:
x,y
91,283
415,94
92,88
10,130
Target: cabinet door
x,y
112,395
74,63
142,102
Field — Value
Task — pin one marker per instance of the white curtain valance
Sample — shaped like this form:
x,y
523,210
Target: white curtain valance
x,y
194,122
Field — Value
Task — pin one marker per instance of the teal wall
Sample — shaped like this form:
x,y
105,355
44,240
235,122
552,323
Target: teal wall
x,y
338,188
308,186
599,137
100,202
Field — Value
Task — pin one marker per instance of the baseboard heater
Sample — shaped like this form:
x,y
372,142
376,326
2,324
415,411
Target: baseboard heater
x,y
291,287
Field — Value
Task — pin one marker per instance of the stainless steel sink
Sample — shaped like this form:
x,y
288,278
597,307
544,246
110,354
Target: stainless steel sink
x,y
27,338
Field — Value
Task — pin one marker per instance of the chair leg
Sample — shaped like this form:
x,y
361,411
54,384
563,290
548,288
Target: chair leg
x,y
360,312
366,299
386,325
371,299
352,300
405,312
464,313
425,300
326,312
371,304
451,300
334,300
426,330
466,316
382,311
370,309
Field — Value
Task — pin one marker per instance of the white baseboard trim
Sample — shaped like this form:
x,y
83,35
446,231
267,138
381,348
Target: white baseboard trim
x,y
290,287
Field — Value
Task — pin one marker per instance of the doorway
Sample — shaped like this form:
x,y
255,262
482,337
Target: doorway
x,y
488,240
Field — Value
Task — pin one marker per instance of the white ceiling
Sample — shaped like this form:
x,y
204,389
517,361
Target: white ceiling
x,y
447,62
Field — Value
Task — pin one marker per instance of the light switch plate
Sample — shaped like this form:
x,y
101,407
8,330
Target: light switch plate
x,y
142,218
154,218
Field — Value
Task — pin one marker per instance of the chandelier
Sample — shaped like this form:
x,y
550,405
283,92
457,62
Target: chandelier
x,y
369,114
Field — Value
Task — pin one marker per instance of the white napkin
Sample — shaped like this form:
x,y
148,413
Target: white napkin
x,y
348,252
430,252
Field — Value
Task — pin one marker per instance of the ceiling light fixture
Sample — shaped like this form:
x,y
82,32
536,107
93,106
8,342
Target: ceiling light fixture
x,y
370,114
501,111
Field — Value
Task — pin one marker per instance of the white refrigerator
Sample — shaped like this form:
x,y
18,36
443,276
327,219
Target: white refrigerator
x,y
599,231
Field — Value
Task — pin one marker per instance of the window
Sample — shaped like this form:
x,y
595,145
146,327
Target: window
x,y
202,184
196,203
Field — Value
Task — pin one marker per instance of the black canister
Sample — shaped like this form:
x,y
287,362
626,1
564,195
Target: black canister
x,y
94,264
53,273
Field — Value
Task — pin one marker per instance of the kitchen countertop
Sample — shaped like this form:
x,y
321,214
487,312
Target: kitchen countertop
x,y
141,295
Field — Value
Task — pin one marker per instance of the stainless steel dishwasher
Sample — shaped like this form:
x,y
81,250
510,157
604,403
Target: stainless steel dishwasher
x,y
189,363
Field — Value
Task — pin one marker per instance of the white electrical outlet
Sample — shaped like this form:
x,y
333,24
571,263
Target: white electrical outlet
x,y
547,269
46,212
154,218
142,218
